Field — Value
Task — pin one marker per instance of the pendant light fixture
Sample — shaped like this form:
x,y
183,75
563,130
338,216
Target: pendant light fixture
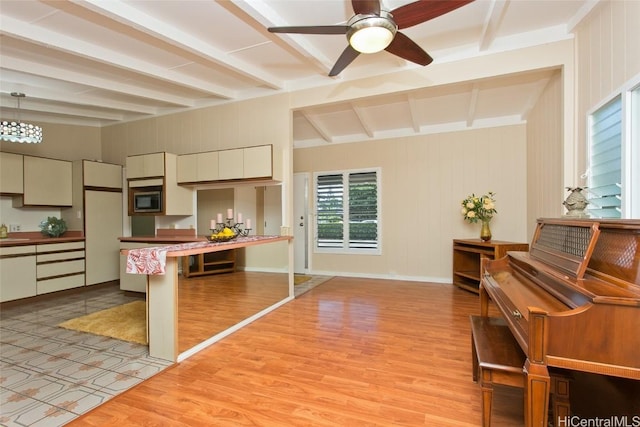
x,y
16,131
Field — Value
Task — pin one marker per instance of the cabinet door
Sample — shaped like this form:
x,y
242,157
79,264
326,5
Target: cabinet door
x,y
97,174
187,168
17,273
257,162
231,164
47,182
11,173
207,166
103,226
145,166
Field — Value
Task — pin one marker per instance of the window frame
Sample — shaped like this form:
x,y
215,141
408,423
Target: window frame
x,y
629,95
345,249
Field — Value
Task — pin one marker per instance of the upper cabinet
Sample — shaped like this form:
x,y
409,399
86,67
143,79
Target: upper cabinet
x,y
102,175
159,170
235,164
11,173
146,166
47,182
199,167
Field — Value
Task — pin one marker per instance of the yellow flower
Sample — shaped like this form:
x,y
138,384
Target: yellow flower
x,y
471,214
470,204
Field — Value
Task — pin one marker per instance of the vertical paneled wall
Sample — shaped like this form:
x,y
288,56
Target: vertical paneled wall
x,y
544,156
424,180
608,55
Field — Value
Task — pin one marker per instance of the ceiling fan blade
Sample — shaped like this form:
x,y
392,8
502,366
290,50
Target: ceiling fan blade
x,y
315,29
347,57
366,7
406,48
423,10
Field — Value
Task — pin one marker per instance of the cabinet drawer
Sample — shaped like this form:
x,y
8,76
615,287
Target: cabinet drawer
x,y
17,250
60,256
60,283
60,268
58,247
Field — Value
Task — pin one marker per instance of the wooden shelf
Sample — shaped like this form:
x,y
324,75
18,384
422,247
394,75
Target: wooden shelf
x,y
209,263
467,255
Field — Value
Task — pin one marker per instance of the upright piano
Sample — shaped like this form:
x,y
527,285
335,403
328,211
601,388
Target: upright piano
x,y
572,302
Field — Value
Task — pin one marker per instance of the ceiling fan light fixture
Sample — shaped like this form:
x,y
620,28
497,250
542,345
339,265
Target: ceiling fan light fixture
x,y
371,34
16,131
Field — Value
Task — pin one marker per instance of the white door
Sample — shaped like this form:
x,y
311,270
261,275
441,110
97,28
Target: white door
x,y
300,222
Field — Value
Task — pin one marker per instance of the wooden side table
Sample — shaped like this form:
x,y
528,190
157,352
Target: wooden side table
x,y
209,263
467,254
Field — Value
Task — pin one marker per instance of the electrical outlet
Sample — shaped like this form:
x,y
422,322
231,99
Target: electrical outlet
x,y
14,227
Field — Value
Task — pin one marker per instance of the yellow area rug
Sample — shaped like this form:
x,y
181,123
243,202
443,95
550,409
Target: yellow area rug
x,y
299,279
127,322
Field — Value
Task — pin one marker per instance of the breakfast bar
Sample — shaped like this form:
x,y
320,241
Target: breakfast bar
x,y
160,264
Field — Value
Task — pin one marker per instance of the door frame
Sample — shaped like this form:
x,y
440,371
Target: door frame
x,y
301,252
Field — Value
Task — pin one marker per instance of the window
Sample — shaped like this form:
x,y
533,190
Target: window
x,y
347,209
614,157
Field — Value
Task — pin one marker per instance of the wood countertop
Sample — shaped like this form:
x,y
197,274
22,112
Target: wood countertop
x,y
25,238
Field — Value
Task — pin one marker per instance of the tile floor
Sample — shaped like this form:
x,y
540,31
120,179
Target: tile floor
x,y
50,375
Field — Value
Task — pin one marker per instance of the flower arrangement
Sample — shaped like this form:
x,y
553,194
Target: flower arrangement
x,y
481,208
53,227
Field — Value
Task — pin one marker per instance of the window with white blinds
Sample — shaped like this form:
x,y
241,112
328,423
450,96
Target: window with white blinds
x,y
614,155
347,212
605,154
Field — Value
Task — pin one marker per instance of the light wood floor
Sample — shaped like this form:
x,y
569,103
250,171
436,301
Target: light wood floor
x,y
350,352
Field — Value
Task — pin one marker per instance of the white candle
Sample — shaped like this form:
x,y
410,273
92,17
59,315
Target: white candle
x,y
213,224
248,224
229,213
239,218
220,217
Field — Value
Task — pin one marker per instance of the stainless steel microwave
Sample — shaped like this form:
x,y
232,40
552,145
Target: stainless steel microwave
x,y
147,201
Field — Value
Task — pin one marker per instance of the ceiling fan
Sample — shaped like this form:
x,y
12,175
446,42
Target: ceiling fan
x,y
373,29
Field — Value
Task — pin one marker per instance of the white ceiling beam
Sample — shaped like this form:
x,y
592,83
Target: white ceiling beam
x,y
35,106
360,114
492,21
473,105
313,121
260,11
79,99
34,34
128,15
413,112
70,76
534,96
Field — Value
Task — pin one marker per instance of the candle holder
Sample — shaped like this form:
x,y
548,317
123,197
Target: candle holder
x,y
236,229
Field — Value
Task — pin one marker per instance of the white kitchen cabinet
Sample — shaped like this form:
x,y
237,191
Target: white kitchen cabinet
x,y
257,162
47,182
198,167
59,266
17,272
132,282
231,164
11,173
103,175
145,165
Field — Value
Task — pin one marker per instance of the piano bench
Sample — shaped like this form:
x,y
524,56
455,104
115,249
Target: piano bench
x,y
497,359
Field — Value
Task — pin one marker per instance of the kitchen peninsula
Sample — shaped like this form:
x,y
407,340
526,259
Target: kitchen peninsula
x,y
161,264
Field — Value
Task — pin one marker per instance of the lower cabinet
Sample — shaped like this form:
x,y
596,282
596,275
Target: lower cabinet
x,y
132,282
17,272
59,266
